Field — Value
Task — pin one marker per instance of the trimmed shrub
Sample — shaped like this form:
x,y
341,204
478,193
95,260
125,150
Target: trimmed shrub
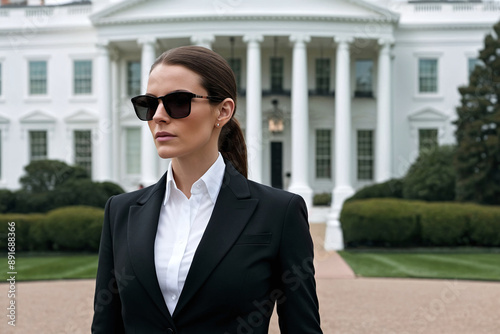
x,y
446,224
74,228
485,226
395,222
380,222
323,199
24,228
389,189
432,176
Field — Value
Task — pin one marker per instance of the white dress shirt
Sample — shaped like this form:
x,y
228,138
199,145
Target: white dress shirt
x,y
181,225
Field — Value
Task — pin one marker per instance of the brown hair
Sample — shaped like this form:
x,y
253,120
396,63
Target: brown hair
x,y
219,80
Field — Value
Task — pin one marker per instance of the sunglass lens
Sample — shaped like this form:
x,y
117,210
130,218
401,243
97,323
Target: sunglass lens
x,y
178,104
145,107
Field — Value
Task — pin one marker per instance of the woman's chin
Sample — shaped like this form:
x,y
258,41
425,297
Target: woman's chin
x,y
166,154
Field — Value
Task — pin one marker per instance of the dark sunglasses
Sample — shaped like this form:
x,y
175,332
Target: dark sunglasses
x,y
177,104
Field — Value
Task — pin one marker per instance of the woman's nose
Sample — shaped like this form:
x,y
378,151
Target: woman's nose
x,y
161,114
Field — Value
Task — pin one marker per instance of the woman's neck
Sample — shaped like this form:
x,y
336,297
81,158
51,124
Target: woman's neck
x,y
187,170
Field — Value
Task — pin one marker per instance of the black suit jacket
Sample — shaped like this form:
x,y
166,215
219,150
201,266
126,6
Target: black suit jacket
x,y
256,252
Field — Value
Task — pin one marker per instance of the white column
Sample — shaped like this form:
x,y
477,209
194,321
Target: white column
x,y
105,112
149,155
383,147
254,107
300,121
343,188
204,40
115,112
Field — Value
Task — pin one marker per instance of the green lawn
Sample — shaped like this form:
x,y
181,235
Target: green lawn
x,y
46,267
471,265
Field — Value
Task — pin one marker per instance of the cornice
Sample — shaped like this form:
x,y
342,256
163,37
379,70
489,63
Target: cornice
x,y
445,26
315,18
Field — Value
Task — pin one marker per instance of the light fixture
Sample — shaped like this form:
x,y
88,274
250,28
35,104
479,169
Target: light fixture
x,y
276,123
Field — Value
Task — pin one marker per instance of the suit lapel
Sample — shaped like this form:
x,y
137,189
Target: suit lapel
x,y
231,213
141,234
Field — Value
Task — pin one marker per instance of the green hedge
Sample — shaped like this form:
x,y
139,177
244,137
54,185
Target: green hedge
x,y
403,223
392,188
380,222
74,228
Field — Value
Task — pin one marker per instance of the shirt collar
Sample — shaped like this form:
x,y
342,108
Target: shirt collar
x,y
212,179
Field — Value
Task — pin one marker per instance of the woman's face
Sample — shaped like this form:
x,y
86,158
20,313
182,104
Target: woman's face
x,y
196,134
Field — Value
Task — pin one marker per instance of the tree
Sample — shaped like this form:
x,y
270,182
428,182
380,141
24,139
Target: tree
x,y
46,175
477,159
432,176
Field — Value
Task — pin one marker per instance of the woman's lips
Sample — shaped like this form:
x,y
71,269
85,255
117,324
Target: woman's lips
x,y
164,136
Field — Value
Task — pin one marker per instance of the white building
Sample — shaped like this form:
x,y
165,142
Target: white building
x,y
359,85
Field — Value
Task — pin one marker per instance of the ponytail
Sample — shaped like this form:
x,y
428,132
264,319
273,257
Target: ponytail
x,y
232,146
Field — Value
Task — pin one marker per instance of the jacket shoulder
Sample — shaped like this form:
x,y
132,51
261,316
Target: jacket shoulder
x,y
271,194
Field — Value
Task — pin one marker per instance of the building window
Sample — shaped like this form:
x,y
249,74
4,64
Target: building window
x,y
473,62
83,149
235,64
133,78
276,74
323,153
322,75
364,78
428,76
38,77
365,154
38,145
427,139
133,151
83,77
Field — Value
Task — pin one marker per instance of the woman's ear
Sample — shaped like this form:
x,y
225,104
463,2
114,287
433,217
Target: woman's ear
x,y
226,111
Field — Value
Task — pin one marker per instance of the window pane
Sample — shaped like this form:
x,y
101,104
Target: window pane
x,y
427,139
38,145
364,70
473,62
38,77
323,153
133,78
276,74
83,77
83,150
427,72
133,151
365,154
323,75
235,64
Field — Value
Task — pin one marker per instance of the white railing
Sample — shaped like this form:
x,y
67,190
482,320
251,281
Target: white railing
x,y
490,6
427,7
39,11
79,10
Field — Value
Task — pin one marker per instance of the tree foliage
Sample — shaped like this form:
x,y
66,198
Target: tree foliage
x,y
478,154
432,176
46,175
50,184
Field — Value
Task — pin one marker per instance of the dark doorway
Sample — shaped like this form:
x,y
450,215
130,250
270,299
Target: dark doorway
x,y
277,165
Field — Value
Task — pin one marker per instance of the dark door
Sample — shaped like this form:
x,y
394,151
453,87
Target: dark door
x,y
277,165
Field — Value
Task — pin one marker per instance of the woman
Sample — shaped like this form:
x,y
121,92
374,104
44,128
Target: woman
x,y
204,250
